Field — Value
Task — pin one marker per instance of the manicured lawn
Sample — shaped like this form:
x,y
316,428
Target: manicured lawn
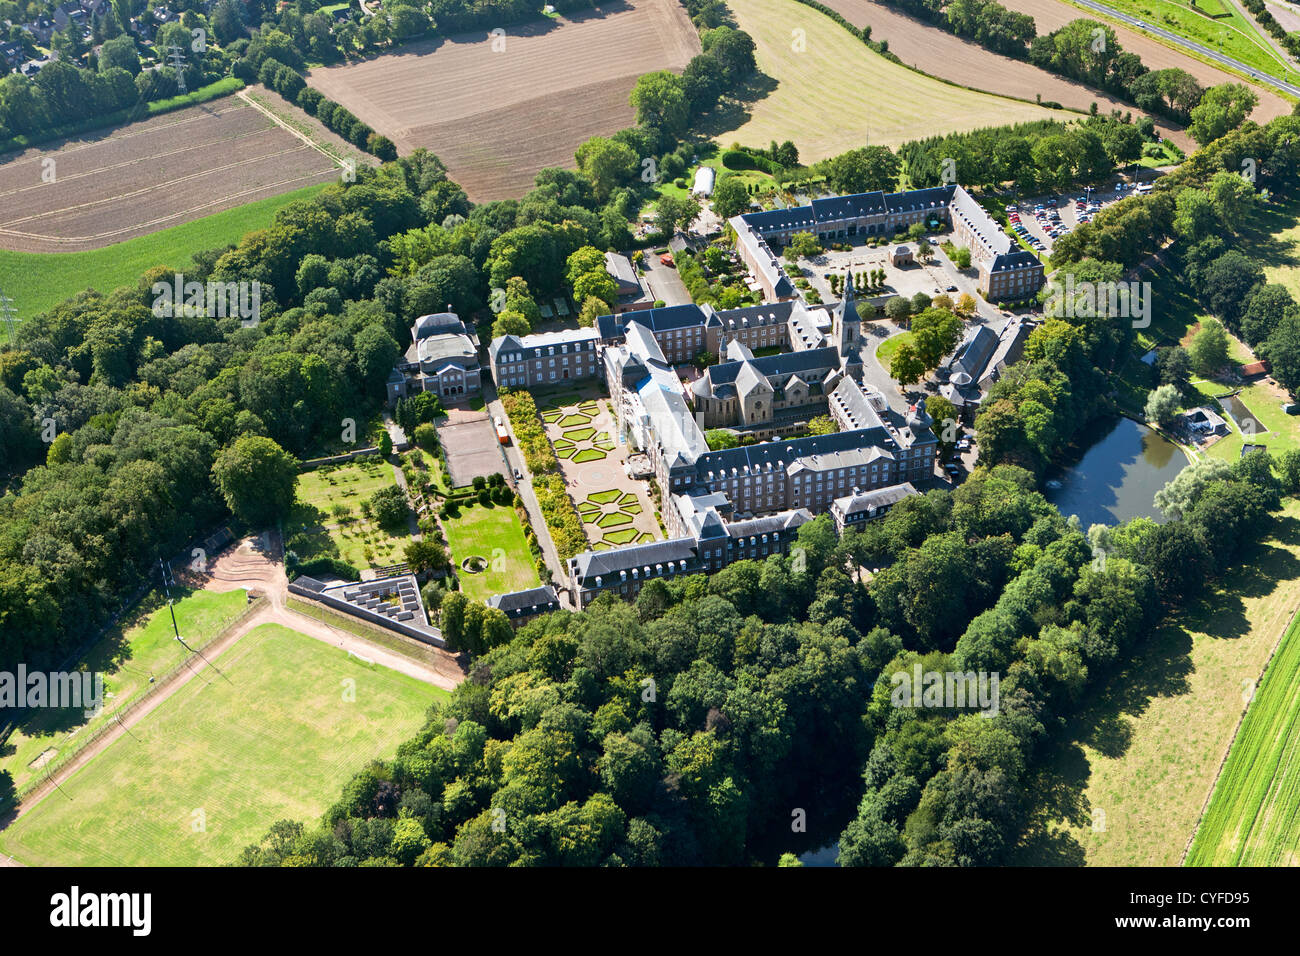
x,y
492,532
36,281
885,354
1273,237
1125,785
217,763
319,491
1254,814
832,93
128,656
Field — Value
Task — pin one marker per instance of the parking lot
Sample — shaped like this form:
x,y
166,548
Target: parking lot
x,y
1042,221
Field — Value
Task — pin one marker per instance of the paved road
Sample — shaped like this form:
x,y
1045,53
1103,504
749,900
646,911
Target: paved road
x,y
1264,78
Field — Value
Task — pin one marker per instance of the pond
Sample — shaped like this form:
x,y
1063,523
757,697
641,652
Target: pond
x,y
1117,477
1243,416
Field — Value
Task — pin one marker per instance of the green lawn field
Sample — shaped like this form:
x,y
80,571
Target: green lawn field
x,y
492,532
37,280
1254,814
1125,785
313,523
206,773
833,93
144,646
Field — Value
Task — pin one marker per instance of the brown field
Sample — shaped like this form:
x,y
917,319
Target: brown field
x,y
496,118
1050,14
149,175
941,54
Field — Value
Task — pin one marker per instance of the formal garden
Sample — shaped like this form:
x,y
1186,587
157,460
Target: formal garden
x,y
608,518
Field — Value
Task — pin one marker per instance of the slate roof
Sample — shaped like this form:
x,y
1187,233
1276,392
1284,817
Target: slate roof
x,y
877,498
533,600
589,564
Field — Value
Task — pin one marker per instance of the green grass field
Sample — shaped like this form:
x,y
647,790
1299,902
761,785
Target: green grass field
x,y
1125,785
312,517
492,532
36,281
144,646
206,773
834,93
1254,814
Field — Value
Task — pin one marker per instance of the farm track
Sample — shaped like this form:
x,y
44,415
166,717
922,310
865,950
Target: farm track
x,y
153,174
496,117
244,568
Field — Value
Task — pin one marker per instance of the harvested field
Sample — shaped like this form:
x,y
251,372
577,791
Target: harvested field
x,y
1050,14
497,117
865,98
1287,15
949,57
150,175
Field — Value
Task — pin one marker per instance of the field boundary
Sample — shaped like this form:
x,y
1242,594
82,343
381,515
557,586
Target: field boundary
x,y
1236,731
130,706
256,103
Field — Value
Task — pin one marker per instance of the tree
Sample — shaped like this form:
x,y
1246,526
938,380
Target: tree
x,y
1226,283
720,438
1162,404
425,555
510,322
1173,366
676,212
966,304
1221,109
803,245
660,102
730,197
1282,349
390,507
607,163
592,309
898,308
862,170
906,366
1177,497
120,53
1209,348
1266,305
822,425
599,285
257,478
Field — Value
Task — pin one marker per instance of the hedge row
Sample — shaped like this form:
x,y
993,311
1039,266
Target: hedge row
x,y
561,517
329,565
530,433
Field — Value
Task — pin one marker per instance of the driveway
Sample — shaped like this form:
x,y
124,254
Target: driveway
x,y
663,282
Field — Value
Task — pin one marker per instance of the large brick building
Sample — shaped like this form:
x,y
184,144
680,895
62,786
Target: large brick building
x,y
1005,271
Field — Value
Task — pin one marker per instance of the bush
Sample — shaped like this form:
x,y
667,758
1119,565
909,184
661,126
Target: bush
x,y
529,433
561,517
328,565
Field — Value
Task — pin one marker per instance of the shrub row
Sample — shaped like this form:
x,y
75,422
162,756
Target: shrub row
x,y
529,431
561,517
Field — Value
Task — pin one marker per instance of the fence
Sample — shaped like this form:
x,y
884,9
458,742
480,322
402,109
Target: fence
x,y
303,588
129,707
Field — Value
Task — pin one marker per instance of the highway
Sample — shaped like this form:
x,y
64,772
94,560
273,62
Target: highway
x,y
1263,78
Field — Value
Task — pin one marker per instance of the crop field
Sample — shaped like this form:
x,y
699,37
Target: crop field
x,y
492,532
37,281
208,771
952,58
836,94
1127,785
1050,14
498,110
127,657
1254,814
149,175
328,514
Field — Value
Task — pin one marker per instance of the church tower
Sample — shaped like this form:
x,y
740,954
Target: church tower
x,y
846,324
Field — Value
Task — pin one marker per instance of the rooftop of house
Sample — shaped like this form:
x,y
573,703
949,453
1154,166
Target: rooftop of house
x,y
533,599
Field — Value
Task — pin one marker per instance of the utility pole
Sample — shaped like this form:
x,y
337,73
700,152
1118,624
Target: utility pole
x,y
178,61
